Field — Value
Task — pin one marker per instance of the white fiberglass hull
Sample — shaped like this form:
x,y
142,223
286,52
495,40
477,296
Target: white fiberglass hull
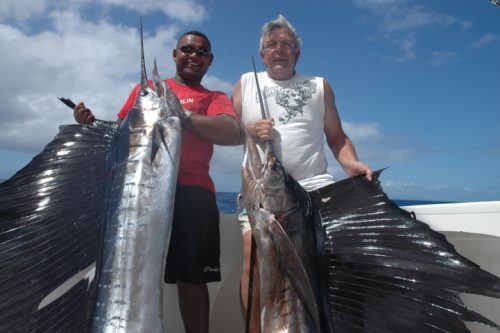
x,y
474,229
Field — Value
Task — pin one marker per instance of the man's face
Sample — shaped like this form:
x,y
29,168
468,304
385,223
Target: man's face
x,y
280,54
192,58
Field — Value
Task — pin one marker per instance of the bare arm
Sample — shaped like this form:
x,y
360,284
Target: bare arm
x,y
219,129
338,141
84,115
262,130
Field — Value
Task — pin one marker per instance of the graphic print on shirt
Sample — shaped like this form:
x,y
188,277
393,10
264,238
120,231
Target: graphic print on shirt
x,y
293,98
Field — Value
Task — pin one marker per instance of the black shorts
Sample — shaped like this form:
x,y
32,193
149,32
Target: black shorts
x,y
194,250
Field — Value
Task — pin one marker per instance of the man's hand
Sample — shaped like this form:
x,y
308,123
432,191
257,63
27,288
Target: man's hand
x,y
262,130
83,115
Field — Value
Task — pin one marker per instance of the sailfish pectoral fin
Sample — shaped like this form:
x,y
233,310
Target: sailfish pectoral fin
x,y
160,135
293,266
158,140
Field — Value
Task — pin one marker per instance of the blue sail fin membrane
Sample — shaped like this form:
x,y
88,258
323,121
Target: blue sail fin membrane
x,y
50,232
381,270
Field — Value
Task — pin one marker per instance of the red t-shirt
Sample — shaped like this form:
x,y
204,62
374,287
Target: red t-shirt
x,y
195,153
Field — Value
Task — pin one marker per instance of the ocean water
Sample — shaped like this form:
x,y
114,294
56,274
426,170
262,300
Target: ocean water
x,y
226,202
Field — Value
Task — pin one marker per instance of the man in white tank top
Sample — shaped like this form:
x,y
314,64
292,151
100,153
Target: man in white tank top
x,y
302,111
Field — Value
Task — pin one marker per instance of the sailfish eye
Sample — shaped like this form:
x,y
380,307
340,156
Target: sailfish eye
x,y
275,165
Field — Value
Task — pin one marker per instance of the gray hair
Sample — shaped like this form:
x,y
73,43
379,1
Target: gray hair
x,y
279,22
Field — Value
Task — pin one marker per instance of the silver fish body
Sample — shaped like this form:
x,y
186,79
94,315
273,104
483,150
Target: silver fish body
x,y
84,227
277,216
140,210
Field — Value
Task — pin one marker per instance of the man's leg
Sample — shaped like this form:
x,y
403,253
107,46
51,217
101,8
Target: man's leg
x,y
194,254
244,283
195,306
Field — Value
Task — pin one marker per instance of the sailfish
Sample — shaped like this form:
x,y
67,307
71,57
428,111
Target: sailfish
x,y
84,226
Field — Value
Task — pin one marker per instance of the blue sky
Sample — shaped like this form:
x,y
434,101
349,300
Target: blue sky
x,y
416,82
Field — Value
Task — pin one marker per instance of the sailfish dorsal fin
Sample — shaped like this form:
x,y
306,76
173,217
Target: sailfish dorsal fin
x,y
157,82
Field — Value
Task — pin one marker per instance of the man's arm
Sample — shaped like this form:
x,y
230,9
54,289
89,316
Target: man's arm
x,y
338,141
219,129
261,130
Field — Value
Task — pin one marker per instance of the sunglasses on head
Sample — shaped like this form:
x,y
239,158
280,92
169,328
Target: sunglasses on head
x,y
202,51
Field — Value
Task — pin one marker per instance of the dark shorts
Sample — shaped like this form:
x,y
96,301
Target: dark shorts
x,y
194,250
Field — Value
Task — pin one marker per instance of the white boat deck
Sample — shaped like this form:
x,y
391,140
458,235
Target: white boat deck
x,y
473,228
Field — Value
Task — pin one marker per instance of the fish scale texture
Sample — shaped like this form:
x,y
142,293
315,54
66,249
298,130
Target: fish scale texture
x,y
50,222
385,271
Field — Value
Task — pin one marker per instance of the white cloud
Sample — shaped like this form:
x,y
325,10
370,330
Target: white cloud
x,y
484,40
394,184
415,16
385,154
378,6
21,10
225,167
214,83
186,11
359,132
439,58
401,21
466,25
403,15
95,61
406,47
437,187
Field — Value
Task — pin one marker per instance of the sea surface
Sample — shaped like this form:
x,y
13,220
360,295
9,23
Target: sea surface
x,y
227,202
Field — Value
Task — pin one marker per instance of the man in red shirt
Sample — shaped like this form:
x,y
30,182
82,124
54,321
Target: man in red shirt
x,y
193,255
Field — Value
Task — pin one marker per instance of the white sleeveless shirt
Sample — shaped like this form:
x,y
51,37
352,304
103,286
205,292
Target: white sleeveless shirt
x,y
298,108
